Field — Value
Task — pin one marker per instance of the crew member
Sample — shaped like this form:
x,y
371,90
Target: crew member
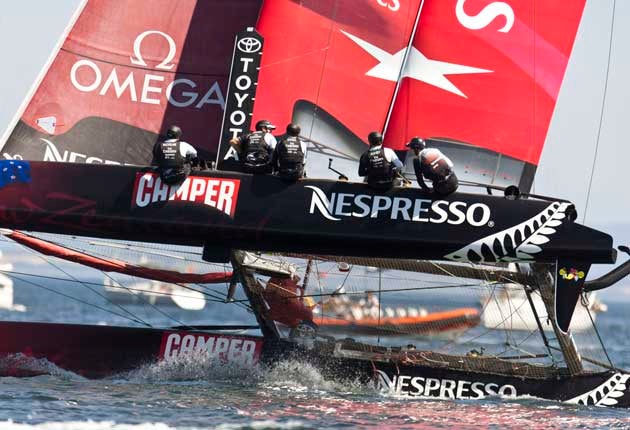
x,y
288,158
286,306
173,156
430,163
255,149
380,165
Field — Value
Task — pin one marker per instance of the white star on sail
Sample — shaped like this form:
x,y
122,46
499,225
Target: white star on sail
x,y
418,67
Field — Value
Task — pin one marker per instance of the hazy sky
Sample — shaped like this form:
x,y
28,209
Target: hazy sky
x,y
29,29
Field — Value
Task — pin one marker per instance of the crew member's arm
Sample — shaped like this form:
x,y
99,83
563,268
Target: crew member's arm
x,y
188,151
398,165
275,165
417,168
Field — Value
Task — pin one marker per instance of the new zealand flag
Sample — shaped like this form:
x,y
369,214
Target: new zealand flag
x,y
14,171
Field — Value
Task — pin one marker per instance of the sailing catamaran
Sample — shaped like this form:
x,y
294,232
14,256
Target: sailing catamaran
x,y
162,65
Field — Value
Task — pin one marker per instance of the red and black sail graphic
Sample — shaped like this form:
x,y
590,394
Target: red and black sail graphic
x,y
483,76
125,72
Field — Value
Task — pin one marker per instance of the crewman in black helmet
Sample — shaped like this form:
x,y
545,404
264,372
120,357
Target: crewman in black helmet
x,y
255,149
288,158
173,156
380,165
430,163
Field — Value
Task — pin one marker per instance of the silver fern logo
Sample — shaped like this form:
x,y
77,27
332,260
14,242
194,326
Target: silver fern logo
x,y
605,394
517,243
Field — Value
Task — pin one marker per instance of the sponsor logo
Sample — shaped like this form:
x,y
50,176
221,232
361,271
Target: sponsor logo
x,y
141,86
249,45
486,16
393,5
218,193
398,208
571,275
52,153
419,386
231,349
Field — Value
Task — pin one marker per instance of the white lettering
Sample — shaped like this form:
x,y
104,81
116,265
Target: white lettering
x,y
485,16
75,81
188,344
476,387
137,45
143,195
240,98
462,390
213,96
243,82
172,342
246,62
147,88
197,189
381,203
392,5
118,88
341,203
485,215
365,208
234,353
417,209
439,211
238,117
461,216
191,96
403,211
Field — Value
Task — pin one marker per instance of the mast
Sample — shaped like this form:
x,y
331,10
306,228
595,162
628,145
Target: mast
x,y
403,66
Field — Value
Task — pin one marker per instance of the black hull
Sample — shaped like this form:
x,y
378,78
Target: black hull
x,y
240,211
98,351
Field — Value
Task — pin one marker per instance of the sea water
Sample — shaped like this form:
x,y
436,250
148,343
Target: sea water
x,y
196,394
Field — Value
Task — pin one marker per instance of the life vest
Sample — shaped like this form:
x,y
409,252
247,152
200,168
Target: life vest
x,y
255,146
169,155
285,303
435,165
290,155
378,169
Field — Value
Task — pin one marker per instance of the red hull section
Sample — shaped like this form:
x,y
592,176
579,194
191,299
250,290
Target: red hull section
x,y
100,351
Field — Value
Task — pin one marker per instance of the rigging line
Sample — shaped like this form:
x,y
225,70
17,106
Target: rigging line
x,y
403,66
601,114
601,343
148,69
34,284
157,293
174,283
83,284
378,339
96,284
146,301
487,331
393,290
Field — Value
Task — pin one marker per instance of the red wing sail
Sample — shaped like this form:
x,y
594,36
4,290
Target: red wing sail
x,y
112,265
126,71
481,72
488,74
313,70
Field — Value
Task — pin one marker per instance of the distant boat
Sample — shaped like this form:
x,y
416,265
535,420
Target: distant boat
x,y
154,293
510,310
6,289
